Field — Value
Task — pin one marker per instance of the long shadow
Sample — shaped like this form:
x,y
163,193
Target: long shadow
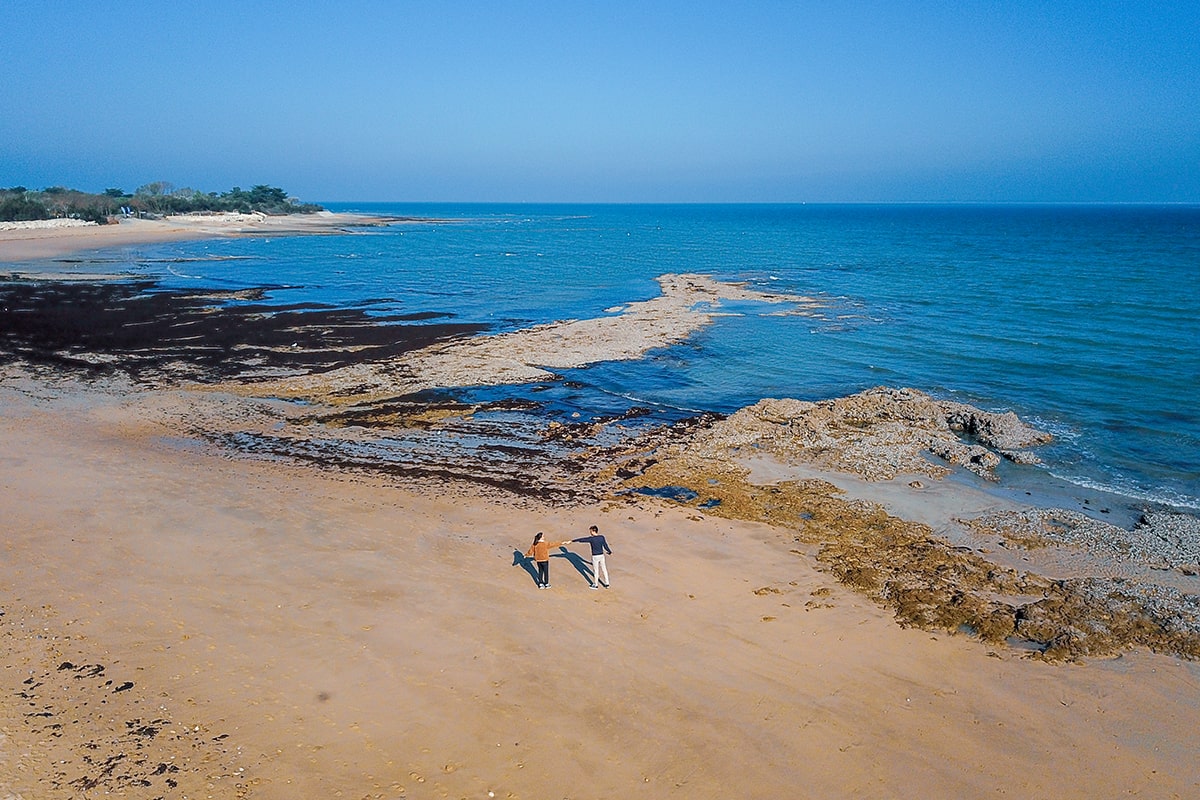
x,y
582,565
519,560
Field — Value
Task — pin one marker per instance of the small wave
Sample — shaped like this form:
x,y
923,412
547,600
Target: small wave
x,y
179,274
1057,428
1165,498
633,398
191,259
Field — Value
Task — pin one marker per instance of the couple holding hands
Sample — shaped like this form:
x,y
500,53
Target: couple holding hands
x,y
540,551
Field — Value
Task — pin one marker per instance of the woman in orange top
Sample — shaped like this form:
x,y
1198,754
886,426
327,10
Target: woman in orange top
x,y
540,550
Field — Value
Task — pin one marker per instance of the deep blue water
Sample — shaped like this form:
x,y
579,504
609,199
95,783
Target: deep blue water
x,y
1084,320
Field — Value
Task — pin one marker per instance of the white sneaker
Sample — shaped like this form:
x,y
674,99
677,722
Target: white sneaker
x,y
594,586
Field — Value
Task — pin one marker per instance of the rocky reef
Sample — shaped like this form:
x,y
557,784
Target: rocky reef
x,y
926,580
877,434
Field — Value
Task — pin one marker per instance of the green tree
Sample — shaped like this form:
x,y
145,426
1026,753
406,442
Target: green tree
x,y
19,207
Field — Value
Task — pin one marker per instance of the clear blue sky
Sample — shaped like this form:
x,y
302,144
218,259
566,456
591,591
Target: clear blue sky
x,y
608,101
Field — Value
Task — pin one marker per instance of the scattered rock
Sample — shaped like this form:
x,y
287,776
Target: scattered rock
x,y
1160,540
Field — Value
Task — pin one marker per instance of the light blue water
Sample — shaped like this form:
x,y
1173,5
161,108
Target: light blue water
x,y
1083,320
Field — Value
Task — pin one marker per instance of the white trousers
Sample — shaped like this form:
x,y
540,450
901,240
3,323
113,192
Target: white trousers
x,y
599,566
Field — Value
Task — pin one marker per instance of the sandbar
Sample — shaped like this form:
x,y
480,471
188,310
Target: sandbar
x,y
688,303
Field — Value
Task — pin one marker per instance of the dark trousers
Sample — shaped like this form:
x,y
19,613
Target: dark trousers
x,y
543,573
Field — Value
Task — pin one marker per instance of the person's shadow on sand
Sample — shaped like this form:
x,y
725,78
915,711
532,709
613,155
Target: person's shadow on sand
x,y
577,561
519,560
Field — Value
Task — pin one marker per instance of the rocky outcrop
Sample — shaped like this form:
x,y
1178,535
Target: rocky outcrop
x,y
878,434
931,584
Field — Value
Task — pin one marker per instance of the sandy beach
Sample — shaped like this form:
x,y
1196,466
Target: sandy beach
x,y
183,618
273,630
52,239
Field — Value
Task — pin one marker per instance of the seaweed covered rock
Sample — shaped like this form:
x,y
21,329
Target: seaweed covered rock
x,y
927,581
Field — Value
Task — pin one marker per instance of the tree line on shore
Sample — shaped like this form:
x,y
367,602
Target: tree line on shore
x,y
153,199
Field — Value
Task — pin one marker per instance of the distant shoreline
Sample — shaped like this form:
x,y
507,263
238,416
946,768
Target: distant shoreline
x,y
54,241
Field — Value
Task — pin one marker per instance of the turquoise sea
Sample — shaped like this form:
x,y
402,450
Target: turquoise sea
x,y
1084,320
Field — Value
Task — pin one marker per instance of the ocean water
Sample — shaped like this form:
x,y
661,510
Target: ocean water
x,y
1084,320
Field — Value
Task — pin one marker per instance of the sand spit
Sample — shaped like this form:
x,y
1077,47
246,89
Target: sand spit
x,y
687,304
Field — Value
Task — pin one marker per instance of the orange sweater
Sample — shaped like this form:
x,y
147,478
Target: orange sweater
x,y
541,550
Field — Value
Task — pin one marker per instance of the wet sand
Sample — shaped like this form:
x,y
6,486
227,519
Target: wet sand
x,y
274,630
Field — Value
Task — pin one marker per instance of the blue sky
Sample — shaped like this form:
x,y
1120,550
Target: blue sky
x,y
609,102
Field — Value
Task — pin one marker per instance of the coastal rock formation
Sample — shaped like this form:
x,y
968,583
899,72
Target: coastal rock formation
x,y
372,420
904,565
687,304
877,434
45,224
928,582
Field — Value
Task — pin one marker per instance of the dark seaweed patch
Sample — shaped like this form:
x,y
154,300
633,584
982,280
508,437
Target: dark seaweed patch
x,y
138,328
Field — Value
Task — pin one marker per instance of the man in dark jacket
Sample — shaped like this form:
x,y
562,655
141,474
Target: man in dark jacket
x,y
599,548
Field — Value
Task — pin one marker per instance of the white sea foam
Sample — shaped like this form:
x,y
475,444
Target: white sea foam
x,y
1128,489
179,274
